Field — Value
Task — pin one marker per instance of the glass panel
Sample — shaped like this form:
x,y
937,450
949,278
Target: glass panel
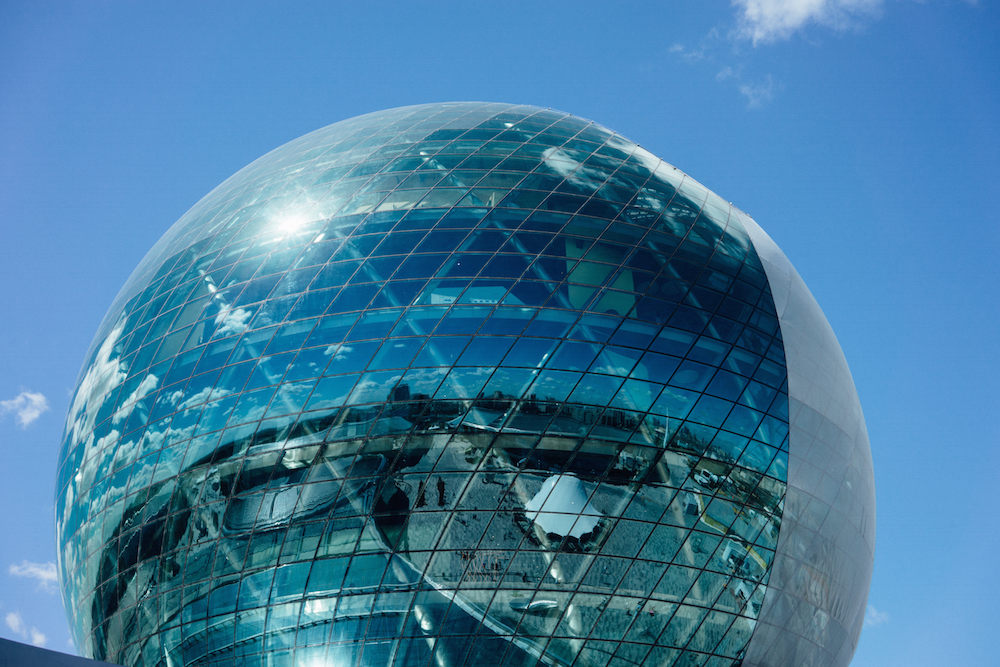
x,y
331,392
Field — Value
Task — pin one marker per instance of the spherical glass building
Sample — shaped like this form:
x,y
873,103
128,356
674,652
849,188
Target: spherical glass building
x,y
465,384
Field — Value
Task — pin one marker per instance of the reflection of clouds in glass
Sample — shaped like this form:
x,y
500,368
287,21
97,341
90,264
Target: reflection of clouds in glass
x,y
142,472
464,383
102,374
232,322
649,161
290,397
584,176
554,385
202,396
153,440
338,352
331,391
107,440
265,319
84,478
560,161
375,388
147,385
124,453
424,380
251,406
509,382
637,395
612,364
293,391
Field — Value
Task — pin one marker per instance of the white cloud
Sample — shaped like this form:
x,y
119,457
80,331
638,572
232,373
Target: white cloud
x,y
727,72
764,22
17,625
27,407
772,20
706,46
875,617
15,622
758,93
45,573
38,638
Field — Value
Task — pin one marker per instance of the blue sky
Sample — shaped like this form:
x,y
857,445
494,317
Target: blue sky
x,y
863,135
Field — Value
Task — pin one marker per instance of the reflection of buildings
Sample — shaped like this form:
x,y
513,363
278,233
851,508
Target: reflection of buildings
x,y
511,391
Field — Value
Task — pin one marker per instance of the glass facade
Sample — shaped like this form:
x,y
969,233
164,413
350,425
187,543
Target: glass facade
x,y
441,385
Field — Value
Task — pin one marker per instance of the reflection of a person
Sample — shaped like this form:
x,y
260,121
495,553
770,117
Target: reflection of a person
x,y
440,492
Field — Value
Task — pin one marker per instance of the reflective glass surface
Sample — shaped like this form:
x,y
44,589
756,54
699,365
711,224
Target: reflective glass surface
x,y
450,384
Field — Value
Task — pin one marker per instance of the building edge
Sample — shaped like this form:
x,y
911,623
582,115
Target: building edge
x,y
812,615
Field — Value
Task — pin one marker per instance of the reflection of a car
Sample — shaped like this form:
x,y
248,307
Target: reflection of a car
x,y
705,478
537,606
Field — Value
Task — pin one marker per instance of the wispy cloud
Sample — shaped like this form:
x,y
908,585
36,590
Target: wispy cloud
x,y
704,49
727,72
44,573
27,407
38,638
30,634
875,617
764,21
758,93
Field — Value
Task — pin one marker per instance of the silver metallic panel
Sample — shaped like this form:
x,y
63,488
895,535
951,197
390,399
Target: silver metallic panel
x,y
815,605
